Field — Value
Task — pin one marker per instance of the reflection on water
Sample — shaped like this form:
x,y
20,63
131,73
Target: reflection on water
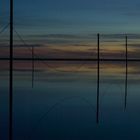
x,y
62,104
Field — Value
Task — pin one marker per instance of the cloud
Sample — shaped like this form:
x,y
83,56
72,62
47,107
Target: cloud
x,y
134,45
66,36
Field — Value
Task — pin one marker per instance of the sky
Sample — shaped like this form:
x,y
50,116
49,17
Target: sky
x,y
76,16
80,16
68,28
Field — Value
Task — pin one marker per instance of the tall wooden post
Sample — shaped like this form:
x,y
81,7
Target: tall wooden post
x,y
126,70
33,66
11,74
98,78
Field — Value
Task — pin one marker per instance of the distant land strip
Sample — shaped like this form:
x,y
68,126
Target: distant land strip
x,y
70,59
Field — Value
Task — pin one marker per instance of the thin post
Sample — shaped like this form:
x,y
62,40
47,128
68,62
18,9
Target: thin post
x,y
98,77
11,74
33,66
126,70
3,8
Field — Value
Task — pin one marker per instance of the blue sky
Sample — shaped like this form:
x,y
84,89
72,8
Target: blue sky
x,y
77,16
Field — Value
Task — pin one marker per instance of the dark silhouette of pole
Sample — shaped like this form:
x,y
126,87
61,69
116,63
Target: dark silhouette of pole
x,y
98,77
33,66
11,74
126,70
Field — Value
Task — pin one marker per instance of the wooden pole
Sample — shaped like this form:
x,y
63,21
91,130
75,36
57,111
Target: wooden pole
x,y
98,78
11,74
33,66
126,68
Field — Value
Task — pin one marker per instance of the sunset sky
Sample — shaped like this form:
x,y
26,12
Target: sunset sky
x,y
68,28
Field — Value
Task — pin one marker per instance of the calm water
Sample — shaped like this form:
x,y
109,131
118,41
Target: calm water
x,y
62,104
